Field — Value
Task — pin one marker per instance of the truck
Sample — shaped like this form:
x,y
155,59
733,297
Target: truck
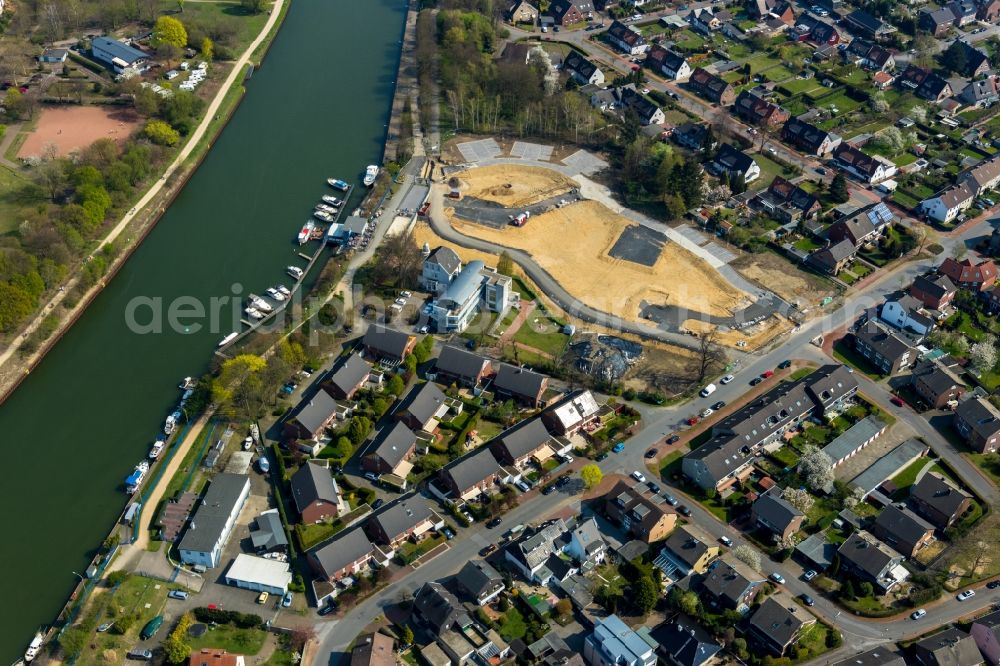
x,y
521,220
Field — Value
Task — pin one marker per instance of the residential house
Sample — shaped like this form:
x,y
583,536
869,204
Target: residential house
x,y
603,99
824,34
968,274
833,258
986,632
936,21
978,421
862,227
570,415
521,12
778,623
438,609
643,514
586,544
121,58
761,8
787,202
404,520
869,559
349,378
866,168
267,535
345,555
739,438
567,12
689,549
924,83
390,451
50,56
935,292
480,581
520,385
215,656
440,267
459,366
989,11
936,385
870,55
809,139
983,176
626,39
773,513
884,655
312,418
535,554
581,70
711,87
882,348
981,93
964,11
948,204
613,643
864,24
475,288
903,530
734,163
525,441
647,112
423,408
849,443
374,649
704,20
213,520
667,63
977,62
906,314
731,584
883,80
693,136
757,111
387,344
951,647
684,643
938,500
472,475
315,493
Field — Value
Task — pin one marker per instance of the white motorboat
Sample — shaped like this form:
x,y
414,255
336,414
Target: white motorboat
x,y
283,289
260,303
229,338
322,215
170,425
255,432
248,443
295,272
371,173
330,210
34,647
156,449
134,480
338,184
188,384
254,313
275,294
332,200
307,229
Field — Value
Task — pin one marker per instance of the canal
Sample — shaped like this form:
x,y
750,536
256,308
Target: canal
x,y
76,427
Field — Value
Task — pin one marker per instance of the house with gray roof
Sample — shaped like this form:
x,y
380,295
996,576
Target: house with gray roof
x,y
438,609
348,553
846,445
889,465
883,348
423,408
978,421
986,632
520,385
951,647
586,544
480,581
778,623
684,643
439,268
532,554
834,258
864,556
312,417
732,584
775,514
816,552
572,413
582,70
476,473
938,500
267,533
936,384
315,493
390,451
522,442
388,345
214,519
884,655
411,519
614,642
120,57
459,366
349,378
903,530
688,549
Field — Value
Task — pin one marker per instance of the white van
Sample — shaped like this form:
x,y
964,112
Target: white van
x,y
708,390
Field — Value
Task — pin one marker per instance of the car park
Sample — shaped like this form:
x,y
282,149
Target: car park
x,y
726,541
917,614
777,578
726,379
650,454
684,511
809,575
968,594
494,522
639,476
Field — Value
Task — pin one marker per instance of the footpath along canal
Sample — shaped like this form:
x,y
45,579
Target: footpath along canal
x,y
74,429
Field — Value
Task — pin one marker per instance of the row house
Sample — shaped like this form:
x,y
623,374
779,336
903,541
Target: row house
x,y
978,421
757,111
809,139
866,168
882,348
936,384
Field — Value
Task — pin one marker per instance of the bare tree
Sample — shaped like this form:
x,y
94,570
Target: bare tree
x,y
709,354
748,555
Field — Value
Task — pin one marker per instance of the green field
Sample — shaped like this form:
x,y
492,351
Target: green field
x,y
234,27
542,333
230,639
800,85
142,597
14,206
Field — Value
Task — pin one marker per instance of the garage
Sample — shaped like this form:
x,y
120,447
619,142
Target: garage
x,y
259,574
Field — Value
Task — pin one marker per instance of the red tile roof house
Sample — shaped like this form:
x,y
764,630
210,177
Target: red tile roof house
x,y
934,291
315,493
711,87
969,275
756,111
978,422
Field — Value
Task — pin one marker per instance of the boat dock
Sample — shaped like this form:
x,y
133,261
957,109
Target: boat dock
x,y
280,306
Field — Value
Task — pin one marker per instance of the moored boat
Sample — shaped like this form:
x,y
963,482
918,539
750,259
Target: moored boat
x,y
338,184
170,425
326,209
34,647
156,449
322,215
134,480
332,200
283,289
275,294
306,233
188,384
229,338
295,272
371,173
260,303
254,313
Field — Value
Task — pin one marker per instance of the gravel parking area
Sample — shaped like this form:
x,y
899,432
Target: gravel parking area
x,y
477,151
584,162
531,151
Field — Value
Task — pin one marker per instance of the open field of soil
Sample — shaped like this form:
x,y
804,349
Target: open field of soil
x,y
754,336
572,243
73,127
785,279
513,186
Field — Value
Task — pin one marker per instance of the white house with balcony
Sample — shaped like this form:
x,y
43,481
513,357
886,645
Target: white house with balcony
x,y
474,288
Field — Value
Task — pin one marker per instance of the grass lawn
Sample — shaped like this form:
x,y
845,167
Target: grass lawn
x,y
671,464
690,40
762,61
411,551
228,18
313,533
800,373
786,456
806,244
132,596
512,625
845,354
799,86
779,73
544,334
905,200
231,639
906,478
843,103
768,170
14,209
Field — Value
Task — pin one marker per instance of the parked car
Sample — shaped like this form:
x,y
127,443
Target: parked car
x,y
448,533
494,522
618,448
719,405
968,594
603,455
821,171
488,550
655,487
139,654
262,598
896,400
767,374
468,517
809,575
692,420
650,454
684,511
807,600
568,459
705,413
671,500
784,364
371,476
639,476
377,504
726,541
104,627
328,608
755,381
177,594
548,490
726,379
777,578
673,439
522,486
917,614
993,584
286,601
562,481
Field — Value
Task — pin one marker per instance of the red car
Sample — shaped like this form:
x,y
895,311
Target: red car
x,y
769,373
691,421
896,401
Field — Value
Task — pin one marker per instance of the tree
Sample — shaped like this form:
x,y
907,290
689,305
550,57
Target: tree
x,y
866,588
847,591
644,594
406,635
239,389
983,355
748,555
891,138
176,650
816,469
72,641
505,265
709,354
591,475
207,49
395,385
878,103
253,6
564,607
799,498
954,57
838,189
358,428
422,350
740,647
169,30
161,133
688,603
919,114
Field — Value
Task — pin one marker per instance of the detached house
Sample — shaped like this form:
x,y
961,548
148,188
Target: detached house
x,y
778,623
866,168
315,493
869,55
809,139
711,87
989,11
535,555
936,21
521,12
388,345
924,83
585,544
936,385
967,274
978,421
704,20
626,39
903,530
733,162
757,111
731,584
567,12
773,513
521,385
480,581
667,63
640,512
907,314
787,202
949,203
647,112
951,647
869,559
981,92
977,63
688,549
583,71
882,349
312,418
440,267
938,500
934,291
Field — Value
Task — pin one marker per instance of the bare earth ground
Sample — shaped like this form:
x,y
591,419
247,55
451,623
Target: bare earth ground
x,y
572,244
754,336
514,186
783,278
74,127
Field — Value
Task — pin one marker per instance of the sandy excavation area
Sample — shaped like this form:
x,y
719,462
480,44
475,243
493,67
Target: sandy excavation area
x,y
790,283
512,185
572,244
751,338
